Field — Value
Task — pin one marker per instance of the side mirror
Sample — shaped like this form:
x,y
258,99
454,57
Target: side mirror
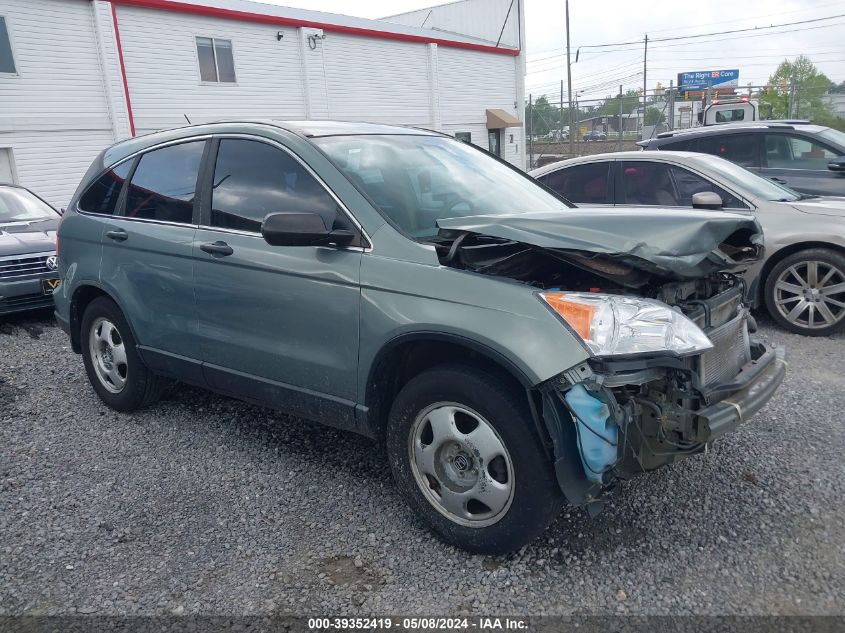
x,y
301,229
706,200
837,164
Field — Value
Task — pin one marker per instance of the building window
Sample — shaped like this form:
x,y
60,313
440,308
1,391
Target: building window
x,y
7,62
466,137
216,62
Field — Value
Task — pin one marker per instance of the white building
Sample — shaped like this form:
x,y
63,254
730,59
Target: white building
x,y
78,75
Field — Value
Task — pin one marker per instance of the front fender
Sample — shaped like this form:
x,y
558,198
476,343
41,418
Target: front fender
x,y
401,299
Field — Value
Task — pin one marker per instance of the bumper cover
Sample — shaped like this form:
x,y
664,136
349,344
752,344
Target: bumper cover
x,y
729,412
727,406
22,294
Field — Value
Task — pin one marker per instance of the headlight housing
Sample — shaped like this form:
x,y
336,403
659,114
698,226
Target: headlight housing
x,y
617,325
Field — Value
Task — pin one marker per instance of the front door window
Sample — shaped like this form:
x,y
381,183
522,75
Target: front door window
x,y
786,151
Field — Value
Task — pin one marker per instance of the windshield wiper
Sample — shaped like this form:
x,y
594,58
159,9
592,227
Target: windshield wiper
x,y
807,196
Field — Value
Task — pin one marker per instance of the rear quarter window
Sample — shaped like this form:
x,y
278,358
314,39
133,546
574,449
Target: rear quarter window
x,y
102,195
687,145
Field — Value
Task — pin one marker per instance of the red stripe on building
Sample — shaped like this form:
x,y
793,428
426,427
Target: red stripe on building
x,y
278,20
122,69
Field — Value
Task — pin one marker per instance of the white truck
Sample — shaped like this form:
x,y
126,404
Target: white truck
x,y
734,110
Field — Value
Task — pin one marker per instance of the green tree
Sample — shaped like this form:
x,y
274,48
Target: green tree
x,y
653,116
542,116
838,88
610,106
802,83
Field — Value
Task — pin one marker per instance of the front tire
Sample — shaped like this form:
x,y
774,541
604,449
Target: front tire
x,y
111,359
465,455
805,292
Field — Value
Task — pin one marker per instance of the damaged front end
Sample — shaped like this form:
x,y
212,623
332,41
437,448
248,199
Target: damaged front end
x,y
658,300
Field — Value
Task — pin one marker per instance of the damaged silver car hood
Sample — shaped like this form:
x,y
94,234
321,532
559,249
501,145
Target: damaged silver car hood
x,y
681,244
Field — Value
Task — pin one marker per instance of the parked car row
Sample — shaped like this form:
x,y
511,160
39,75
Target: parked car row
x,y
515,351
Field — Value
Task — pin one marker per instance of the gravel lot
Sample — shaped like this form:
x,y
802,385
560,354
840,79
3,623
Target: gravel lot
x,y
207,505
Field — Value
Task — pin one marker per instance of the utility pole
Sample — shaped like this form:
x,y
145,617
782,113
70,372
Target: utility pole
x,y
645,74
621,125
791,103
560,125
530,131
671,105
569,83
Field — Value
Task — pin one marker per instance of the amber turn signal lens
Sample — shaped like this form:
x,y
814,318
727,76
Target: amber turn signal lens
x,y
578,315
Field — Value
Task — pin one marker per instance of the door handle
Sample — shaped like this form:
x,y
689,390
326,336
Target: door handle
x,y
117,235
217,248
780,181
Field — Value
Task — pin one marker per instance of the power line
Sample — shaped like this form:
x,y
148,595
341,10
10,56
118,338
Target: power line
x,y
734,57
752,17
636,45
688,37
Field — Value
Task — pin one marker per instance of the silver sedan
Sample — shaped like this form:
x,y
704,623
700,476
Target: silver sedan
x,y
802,280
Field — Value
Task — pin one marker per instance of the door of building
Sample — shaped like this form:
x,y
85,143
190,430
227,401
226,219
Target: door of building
x,y
494,138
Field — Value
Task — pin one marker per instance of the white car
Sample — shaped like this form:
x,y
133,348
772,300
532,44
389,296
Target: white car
x,y
802,279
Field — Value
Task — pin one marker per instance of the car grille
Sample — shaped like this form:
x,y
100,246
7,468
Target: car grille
x,y
23,266
731,351
25,301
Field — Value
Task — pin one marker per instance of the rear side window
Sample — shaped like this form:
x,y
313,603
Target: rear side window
x,y
587,184
253,179
164,184
680,146
647,183
101,197
737,148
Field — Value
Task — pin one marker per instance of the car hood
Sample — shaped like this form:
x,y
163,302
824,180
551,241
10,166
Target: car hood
x,y
20,238
687,244
823,205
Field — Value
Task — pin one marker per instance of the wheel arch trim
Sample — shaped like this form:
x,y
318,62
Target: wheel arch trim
x,y
75,316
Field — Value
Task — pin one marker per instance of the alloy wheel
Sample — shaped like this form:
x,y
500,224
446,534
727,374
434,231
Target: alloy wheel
x,y
811,294
461,464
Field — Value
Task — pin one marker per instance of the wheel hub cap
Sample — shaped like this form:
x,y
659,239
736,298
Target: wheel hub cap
x,y
461,464
108,355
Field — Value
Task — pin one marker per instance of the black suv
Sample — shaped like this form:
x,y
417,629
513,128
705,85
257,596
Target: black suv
x,y
806,158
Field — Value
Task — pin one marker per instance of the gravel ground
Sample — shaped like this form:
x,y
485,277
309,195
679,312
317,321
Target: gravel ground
x,y
207,505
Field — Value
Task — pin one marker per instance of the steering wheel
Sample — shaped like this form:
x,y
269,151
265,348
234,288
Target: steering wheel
x,y
454,200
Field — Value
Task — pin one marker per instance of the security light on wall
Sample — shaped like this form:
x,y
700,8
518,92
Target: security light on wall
x,y
279,36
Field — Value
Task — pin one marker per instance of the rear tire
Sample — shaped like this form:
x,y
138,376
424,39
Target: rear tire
x,y
805,292
112,361
465,455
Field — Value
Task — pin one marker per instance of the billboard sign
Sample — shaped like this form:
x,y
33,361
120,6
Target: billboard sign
x,y
702,80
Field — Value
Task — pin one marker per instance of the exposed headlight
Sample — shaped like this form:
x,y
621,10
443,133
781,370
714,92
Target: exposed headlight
x,y
614,324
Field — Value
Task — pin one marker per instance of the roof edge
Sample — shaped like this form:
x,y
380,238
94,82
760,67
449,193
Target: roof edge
x,y
280,20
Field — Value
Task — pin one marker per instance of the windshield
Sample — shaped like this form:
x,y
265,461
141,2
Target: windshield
x,y
748,183
417,180
834,136
19,205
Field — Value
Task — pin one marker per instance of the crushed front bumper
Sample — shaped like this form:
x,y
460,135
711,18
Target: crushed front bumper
x,y
658,422
764,376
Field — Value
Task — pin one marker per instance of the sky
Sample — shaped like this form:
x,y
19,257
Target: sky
x,y
599,71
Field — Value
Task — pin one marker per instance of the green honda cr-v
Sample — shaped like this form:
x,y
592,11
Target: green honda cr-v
x,y
512,352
